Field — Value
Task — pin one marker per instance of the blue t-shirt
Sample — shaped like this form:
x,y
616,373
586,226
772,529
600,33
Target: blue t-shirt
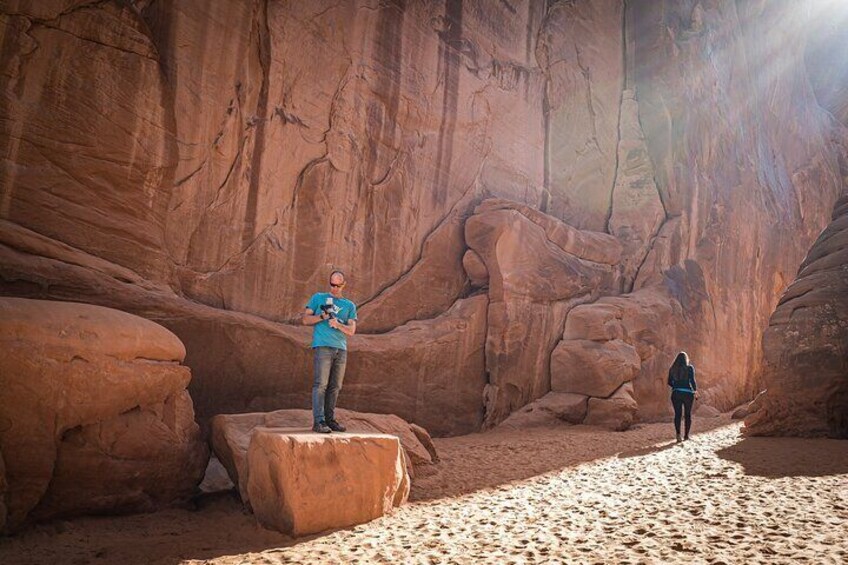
x,y
322,334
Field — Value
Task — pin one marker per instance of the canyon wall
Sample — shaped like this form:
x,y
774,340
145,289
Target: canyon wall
x,y
513,188
806,345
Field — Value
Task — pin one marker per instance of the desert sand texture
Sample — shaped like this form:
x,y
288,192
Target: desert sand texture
x,y
543,494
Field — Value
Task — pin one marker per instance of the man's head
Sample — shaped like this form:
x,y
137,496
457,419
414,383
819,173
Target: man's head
x,y
337,283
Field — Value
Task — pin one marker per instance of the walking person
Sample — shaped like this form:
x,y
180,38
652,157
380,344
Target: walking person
x,y
681,379
333,319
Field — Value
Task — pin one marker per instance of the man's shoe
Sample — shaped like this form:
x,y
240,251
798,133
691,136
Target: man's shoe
x,y
321,428
335,426
678,438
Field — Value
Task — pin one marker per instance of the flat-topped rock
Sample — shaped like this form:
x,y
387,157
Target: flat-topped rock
x,y
232,433
302,482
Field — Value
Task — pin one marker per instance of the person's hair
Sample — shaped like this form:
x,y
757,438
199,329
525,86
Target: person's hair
x,y
681,360
338,272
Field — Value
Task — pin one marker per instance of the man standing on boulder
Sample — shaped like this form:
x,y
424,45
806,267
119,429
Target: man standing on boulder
x,y
332,318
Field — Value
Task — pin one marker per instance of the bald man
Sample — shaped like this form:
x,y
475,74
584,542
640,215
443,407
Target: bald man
x,y
333,319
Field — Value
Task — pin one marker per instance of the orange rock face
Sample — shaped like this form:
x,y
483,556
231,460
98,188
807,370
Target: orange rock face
x,y
303,483
232,434
806,345
502,181
97,416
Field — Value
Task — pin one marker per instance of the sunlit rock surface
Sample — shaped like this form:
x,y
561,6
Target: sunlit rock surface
x,y
303,482
205,165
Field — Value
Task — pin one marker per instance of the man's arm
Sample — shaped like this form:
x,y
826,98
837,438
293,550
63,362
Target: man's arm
x,y
310,319
348,329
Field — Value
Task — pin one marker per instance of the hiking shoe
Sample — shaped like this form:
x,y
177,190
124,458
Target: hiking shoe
x,y
335,426
321,428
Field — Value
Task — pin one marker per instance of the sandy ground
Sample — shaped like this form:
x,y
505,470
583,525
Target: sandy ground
x,y
548,494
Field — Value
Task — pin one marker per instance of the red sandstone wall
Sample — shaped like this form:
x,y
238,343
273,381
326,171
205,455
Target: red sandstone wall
x,y
231,153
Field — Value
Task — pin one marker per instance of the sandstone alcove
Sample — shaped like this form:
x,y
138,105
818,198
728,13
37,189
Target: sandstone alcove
x,y
538,203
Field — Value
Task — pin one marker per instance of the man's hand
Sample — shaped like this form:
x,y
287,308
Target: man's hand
x,y
310,318
348,329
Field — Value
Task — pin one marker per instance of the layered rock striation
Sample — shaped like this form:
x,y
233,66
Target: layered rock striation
x,y
805,347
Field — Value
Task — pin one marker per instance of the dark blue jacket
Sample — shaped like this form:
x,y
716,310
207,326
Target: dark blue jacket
x,y
682,379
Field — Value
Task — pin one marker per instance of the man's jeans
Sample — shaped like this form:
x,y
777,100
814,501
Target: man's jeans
x,y
329,369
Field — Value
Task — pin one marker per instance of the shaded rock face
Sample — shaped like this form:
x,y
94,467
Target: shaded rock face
x,y
554,407
504,182
96,414
617,412
805,347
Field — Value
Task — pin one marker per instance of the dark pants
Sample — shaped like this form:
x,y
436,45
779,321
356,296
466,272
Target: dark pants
x,y
682,402
329,368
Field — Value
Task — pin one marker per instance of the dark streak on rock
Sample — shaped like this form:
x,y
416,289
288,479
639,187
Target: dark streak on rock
x,y
263,34
450,61
618,129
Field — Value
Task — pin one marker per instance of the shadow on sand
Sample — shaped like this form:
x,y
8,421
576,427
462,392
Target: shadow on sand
x,y
218,526
777,457
647,450
502,456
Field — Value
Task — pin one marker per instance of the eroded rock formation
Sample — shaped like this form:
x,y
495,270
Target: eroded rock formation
x,y
512,187
96,416
806,345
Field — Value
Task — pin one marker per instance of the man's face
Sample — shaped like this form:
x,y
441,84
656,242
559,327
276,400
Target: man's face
x,y
337,284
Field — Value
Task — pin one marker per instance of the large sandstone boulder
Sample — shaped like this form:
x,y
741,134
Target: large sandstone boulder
x,y
232,433
553,407
631,338
618,412
97,416
538,269
593,368
302,483
805,347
